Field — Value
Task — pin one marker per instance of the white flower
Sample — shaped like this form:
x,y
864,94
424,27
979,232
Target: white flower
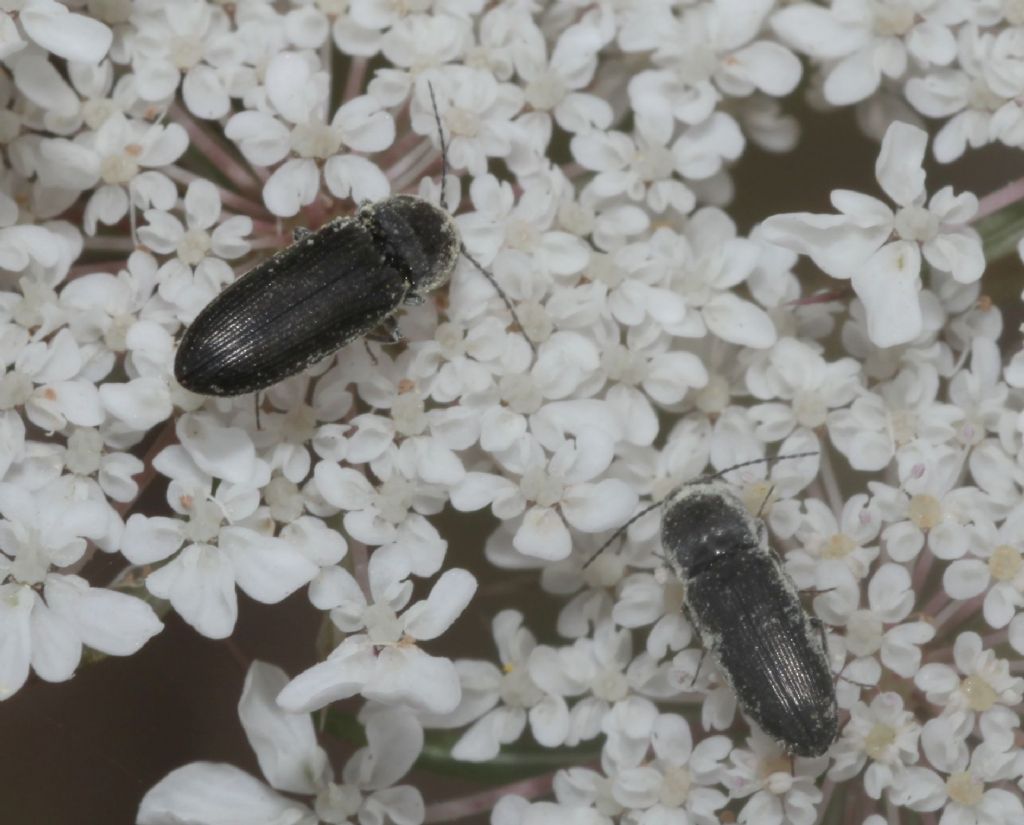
x,y
45,527
384,663
592,668
998,568
861,42
476,113
115,156
293,763
41,530
705,265
963,794
793,371
51,26
298,94
188,44
165,233
977,95
502,698
61,397
561,489
394,511
892,415
551,85
708,52
824,539
639,167
679,779
890,601
781,789
929,507
856,244
986,686
200,581
47,630
883,732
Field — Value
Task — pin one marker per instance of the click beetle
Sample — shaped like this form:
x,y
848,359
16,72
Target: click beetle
x,y
748,613
328,288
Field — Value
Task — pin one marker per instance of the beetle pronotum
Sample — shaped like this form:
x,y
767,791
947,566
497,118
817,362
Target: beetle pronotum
x,y
748,613
328,288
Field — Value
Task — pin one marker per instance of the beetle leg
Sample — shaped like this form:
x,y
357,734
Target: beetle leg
x,y
696,673
819,625
301,233
387,332
256,403
855,682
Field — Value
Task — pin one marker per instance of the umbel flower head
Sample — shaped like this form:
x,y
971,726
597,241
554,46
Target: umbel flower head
x,y
440,493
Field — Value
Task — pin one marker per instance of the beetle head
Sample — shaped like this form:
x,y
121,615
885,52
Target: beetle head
x,y
704,524
418,238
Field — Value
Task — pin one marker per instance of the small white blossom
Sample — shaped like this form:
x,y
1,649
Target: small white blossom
x,y
883,732
986,686
781,789
120,153
293,763
856,245
384,662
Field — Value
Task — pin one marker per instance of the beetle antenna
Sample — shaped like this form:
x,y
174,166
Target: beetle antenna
x,y
620,531
769,460
444,145
462,246
501,292
701,480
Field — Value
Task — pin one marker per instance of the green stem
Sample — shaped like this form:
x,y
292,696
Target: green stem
x,y
520,761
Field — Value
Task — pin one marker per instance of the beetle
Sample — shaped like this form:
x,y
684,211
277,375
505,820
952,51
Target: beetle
x,y
747,611
328,288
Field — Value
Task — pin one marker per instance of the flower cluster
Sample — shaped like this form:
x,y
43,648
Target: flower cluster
x,y
152,151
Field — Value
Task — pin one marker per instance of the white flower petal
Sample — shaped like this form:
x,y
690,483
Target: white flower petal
x,y
223,452
451,594
207,793
543,535
204,93
341,676
889,284
408,675
200,586
71,36
836,243
350,176
285,743
267,569
899,165
16,603
593,508
294,184
56,646
142,403
739,322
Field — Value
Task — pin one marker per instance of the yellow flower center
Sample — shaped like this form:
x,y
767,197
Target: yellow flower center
x,y
838,546
878,741
979,693
964,788
925,511
1005,563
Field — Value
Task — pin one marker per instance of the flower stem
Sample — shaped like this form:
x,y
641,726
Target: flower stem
x,y
453,809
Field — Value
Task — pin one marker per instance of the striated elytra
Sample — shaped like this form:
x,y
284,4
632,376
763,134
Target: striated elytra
x,y
748,613
326,289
